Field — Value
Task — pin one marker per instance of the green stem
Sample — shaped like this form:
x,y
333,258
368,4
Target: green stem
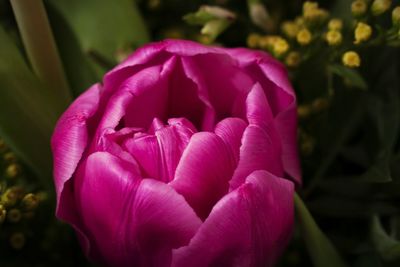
x,y
40,46
320,248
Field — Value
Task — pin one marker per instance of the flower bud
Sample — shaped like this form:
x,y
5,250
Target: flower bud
x,y
335,24
259,15
351,59
396,16
333,37
293,59
320,104
30,202
307,143
308,6
11,196
14,215
10,157
303,111
299,21
280,46
359,8
380,6
304,37
362,32
290,29
267,42
213,19
13,170
253,40
312,13
17,241
3,213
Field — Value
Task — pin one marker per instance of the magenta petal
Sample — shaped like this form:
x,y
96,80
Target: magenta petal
x,y
248,227
139,99
231,131
274,79
159,154
131,221
191,72
258,110
203,173
223,93
69,141
259,151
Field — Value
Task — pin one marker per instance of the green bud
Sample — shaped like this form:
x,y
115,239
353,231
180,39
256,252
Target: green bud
x,y
396,16
380,6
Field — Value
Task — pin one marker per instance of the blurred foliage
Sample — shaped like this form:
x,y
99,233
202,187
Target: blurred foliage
x,y
349,115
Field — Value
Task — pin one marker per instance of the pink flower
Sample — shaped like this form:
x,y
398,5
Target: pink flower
x,y
181,158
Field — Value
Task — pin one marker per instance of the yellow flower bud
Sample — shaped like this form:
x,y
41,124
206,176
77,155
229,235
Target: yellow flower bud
x,y
351,59
280,46
17,241
311,12
173,33
267,42
3,213
290,29
303,111
14,215
362,32
299,21
293,59
379,7
396,16
333,37
10,157
204,39
30,202
253,40
11,196
307,145
308,5
359,8
13,170
304,37
320,104
335,24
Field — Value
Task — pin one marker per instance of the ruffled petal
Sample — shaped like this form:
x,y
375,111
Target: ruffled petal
x,y
139,99
248,227
273,77
203,172
231,131
261,144
258,109
259,151
159,154
69,141
224,93
130,221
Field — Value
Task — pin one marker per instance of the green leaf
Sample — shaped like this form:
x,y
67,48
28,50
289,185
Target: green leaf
x,y
104,26
201,17
388,247
352,76
320,248
27,110
78,68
